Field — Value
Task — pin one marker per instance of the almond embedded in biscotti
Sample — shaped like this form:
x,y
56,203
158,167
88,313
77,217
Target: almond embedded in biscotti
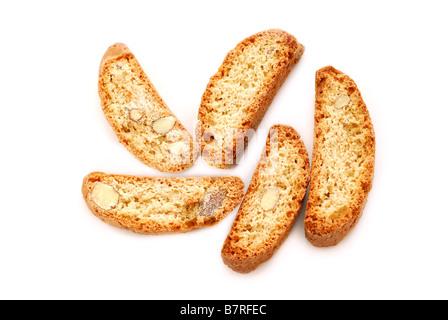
x,y
269,199
105,196
164,125
136,114
178,148
211,202
341,101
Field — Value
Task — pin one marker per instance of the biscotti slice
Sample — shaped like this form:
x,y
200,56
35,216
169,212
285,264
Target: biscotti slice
x,y
238,95
343,159
271,203
140,118
150,205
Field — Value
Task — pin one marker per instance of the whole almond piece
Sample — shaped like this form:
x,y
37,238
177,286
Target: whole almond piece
x,y
269,199
164,125
341,101
105,196
136,114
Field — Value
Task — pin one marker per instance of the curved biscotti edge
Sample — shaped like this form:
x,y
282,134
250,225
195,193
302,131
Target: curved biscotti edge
x,y
318,233
260,105
119,51
234,185
247,262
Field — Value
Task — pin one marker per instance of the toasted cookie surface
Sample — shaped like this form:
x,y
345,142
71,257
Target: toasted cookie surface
x,y
271,203
150,205
140,118
238,95
343,159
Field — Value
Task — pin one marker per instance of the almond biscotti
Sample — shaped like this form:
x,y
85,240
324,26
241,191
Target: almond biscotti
x,y
140,118
150,205
238,95
271,203
343,159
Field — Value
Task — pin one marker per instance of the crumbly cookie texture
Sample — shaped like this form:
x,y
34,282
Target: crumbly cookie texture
x,y
271,203
140,118
150,205
238,95
343,159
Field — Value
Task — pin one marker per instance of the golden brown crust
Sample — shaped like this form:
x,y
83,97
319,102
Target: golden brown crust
x,y
136,211
113,52
320,229
292,51
158,159
256,233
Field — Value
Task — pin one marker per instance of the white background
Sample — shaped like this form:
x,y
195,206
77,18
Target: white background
x,y
53,133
